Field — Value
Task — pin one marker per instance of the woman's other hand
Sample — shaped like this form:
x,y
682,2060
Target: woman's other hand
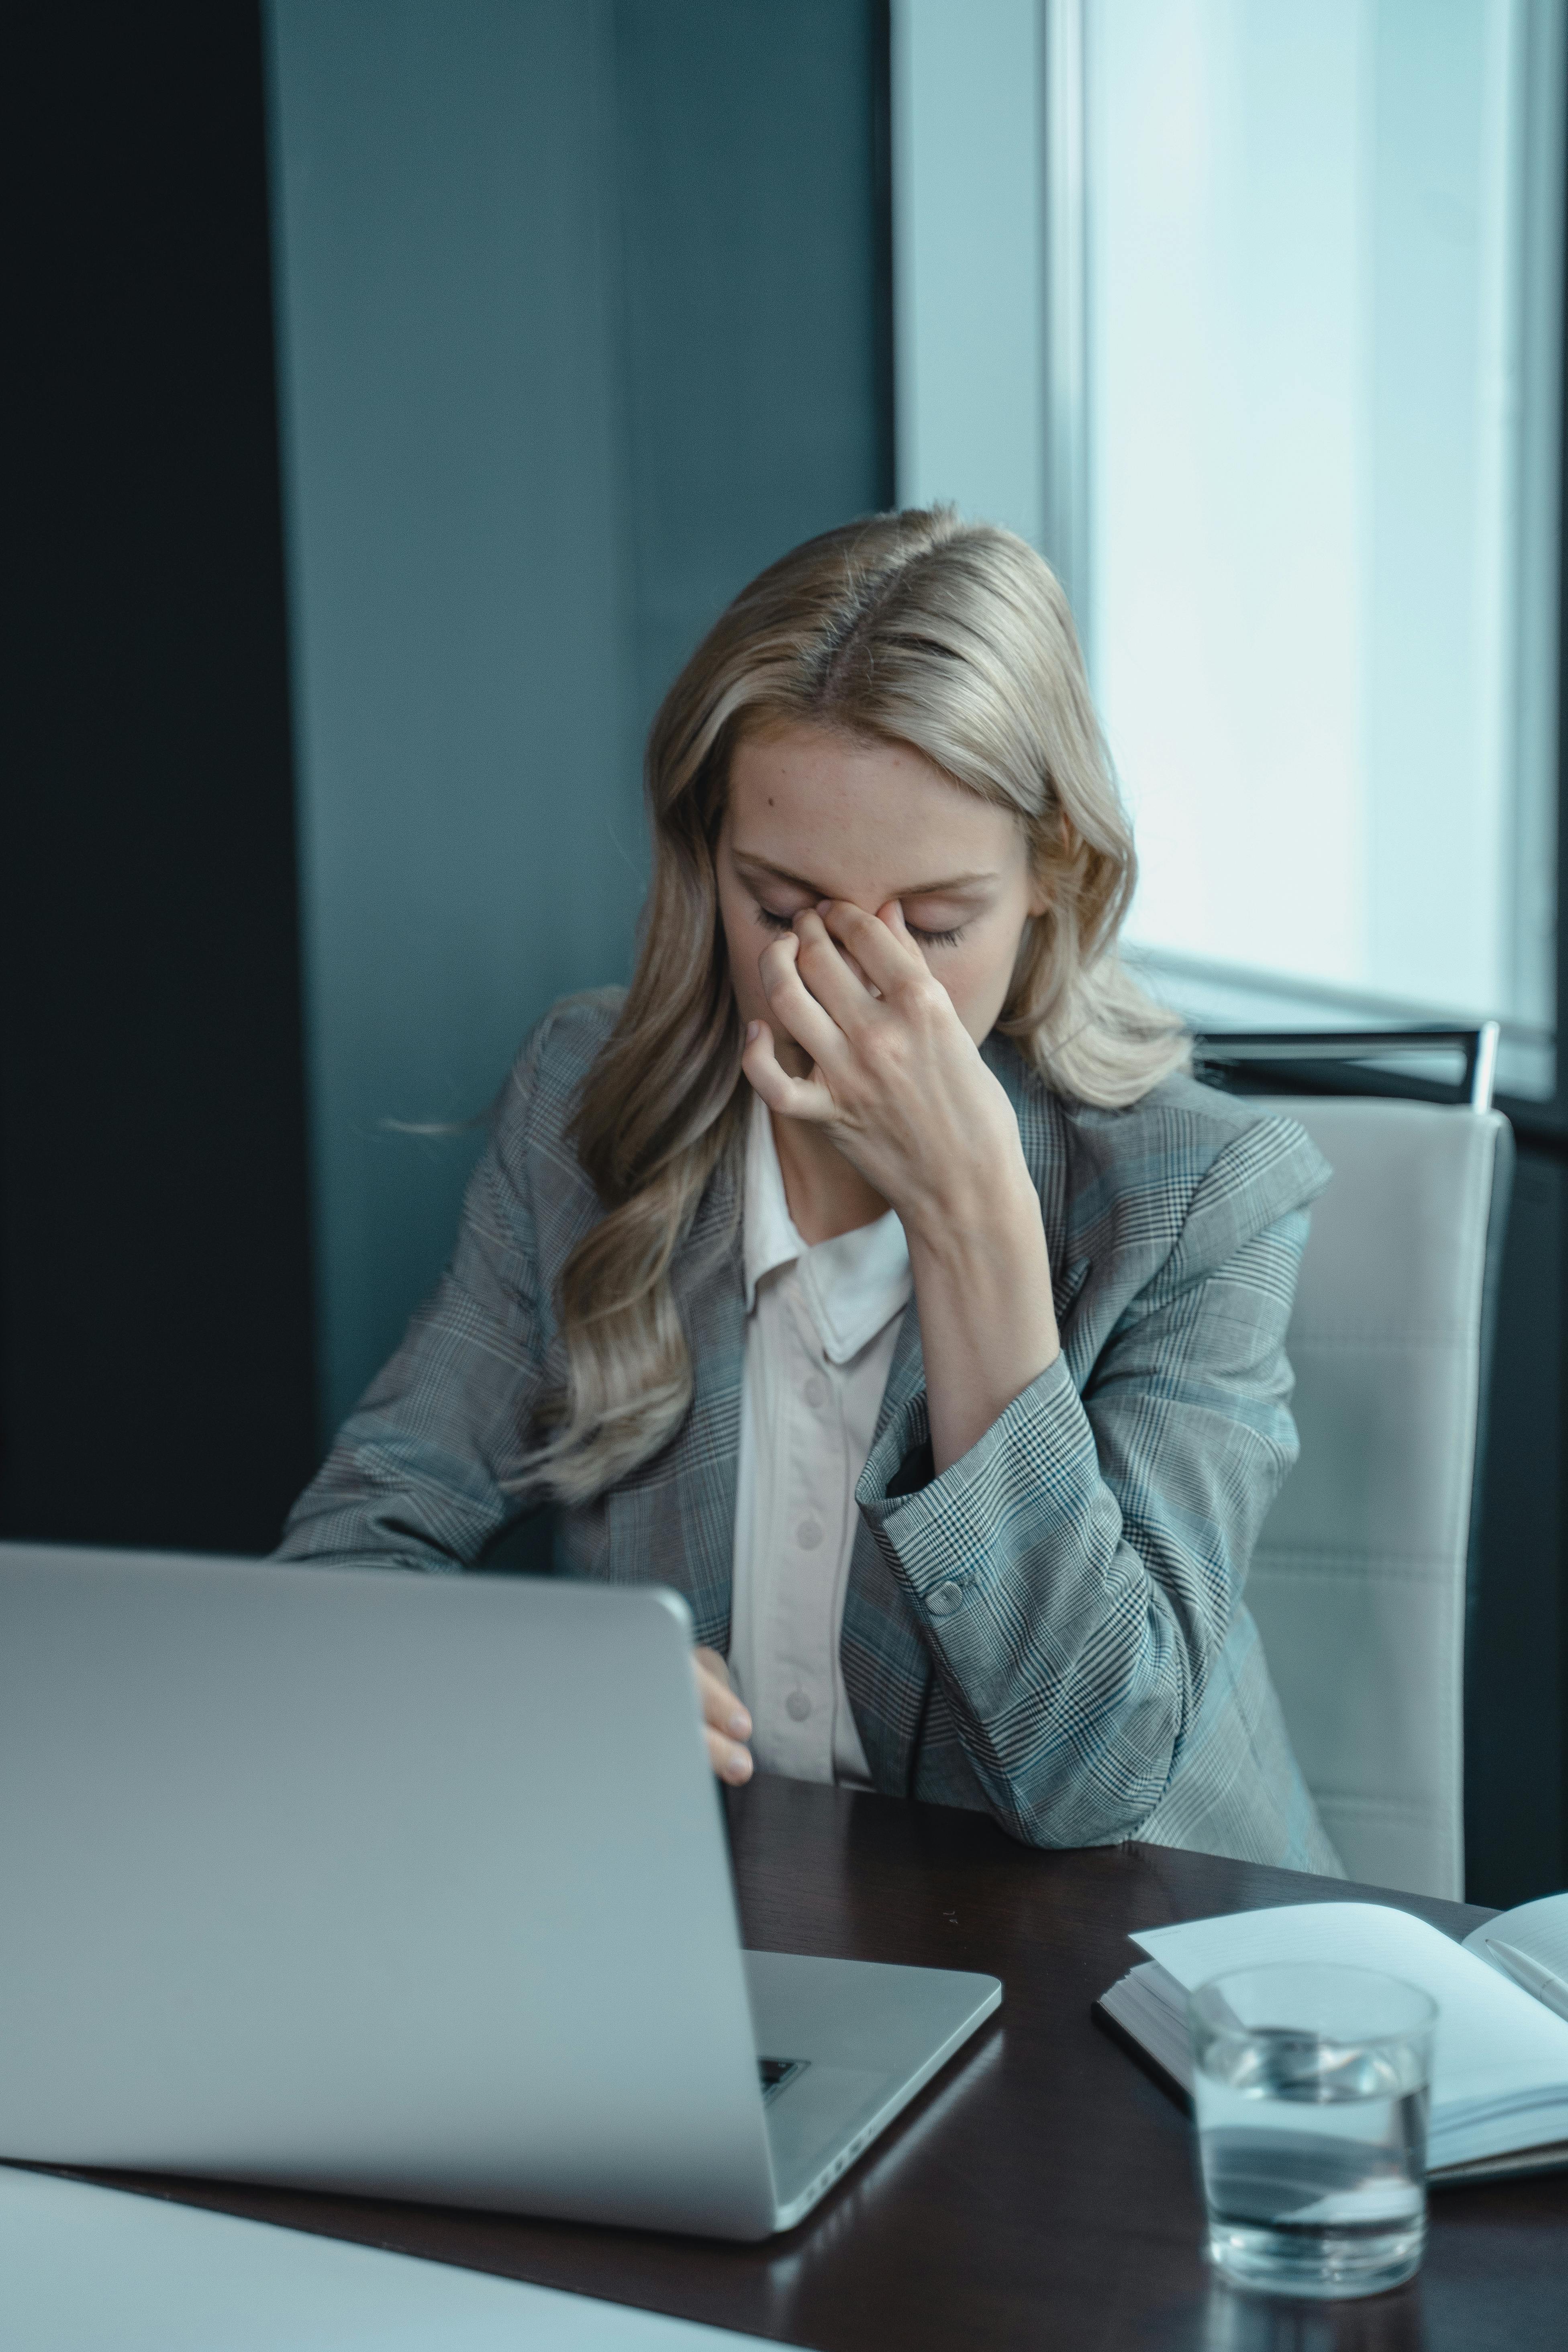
x,y
725,1723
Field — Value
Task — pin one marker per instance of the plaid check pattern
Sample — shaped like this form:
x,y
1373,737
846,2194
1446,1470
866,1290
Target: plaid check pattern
x,y
1052,1630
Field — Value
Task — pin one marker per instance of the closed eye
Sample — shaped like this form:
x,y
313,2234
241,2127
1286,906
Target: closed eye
x,y
926,939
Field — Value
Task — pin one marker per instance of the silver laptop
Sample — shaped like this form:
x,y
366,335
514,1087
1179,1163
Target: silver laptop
x,y
412,1885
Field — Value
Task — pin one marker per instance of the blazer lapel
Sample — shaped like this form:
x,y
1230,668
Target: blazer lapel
x,y
887,1667
1042,1134
673,1521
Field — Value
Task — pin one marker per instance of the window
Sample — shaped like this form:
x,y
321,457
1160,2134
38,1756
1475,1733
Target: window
x,y
1249,317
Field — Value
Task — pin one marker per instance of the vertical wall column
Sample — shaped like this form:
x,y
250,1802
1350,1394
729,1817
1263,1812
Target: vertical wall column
x,y
579,316
445,237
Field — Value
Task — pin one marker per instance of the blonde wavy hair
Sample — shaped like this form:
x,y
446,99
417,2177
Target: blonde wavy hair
x,y
911,628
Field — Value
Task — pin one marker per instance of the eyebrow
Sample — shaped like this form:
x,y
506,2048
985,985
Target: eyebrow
x,y
954,882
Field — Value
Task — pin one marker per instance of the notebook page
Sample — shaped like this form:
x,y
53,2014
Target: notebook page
x,y
1539,1928
1494,2042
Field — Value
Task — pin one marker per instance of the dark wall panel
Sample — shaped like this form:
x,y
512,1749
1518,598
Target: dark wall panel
x,y
155,1371
583,306
1513,1729
758,359
447,280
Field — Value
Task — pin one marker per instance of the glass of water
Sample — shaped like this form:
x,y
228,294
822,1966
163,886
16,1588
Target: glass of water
x,y
1311,2089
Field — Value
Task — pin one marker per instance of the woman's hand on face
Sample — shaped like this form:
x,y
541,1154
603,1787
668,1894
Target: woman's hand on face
x,y
898,1082
725,1723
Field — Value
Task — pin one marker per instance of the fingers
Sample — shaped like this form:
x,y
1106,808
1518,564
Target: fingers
x,y
710,1668
720,1704
803,1098
880,943
798,1009
828,972
726,1726
731,1761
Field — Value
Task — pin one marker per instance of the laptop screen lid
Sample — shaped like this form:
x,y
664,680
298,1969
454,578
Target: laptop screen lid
x,y
367,1880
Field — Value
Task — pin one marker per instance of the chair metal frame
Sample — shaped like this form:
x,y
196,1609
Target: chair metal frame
x,y
1335,1056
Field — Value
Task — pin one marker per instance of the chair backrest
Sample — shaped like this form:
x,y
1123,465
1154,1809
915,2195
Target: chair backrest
x,y
1360,1579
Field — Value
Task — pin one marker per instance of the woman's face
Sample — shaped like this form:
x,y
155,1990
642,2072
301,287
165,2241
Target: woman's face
x,y
814,815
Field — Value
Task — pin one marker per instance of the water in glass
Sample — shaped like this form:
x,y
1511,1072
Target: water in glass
x,y
1312,2138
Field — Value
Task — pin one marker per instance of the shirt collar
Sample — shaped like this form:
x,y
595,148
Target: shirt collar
x,y
854,1284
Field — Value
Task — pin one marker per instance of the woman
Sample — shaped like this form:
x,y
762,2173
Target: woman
x,y
869,1272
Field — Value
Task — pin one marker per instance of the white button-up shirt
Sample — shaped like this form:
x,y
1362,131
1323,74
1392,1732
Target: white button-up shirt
x,y
821,1326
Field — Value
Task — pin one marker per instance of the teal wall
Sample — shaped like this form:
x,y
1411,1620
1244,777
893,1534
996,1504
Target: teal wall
x,y
581,319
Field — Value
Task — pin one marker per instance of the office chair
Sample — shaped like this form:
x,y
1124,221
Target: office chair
x,y
1365,1575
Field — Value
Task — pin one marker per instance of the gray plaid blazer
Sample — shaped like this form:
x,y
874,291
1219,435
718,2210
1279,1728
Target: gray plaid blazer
x,y
1053,1630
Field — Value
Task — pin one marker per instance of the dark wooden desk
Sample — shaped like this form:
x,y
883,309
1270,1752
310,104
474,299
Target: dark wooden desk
x,y
1041,2192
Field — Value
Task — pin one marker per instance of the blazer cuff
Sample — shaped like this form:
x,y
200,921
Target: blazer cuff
x,y
1031,1466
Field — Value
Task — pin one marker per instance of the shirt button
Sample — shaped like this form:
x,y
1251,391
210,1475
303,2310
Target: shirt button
x,y
797,1707
808,1534
945,1599
815,1390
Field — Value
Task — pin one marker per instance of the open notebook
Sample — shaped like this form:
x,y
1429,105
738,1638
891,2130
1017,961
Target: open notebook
x,y
1499,2074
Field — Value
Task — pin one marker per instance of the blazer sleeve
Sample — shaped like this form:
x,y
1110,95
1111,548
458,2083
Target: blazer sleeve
x,y
423,1473
1074,1574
